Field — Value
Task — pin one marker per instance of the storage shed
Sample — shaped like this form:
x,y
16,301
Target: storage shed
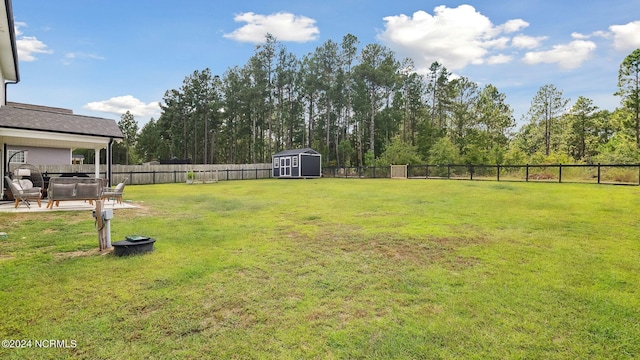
x,y
299,163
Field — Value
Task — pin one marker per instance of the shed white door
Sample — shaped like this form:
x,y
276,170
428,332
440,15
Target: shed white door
x,y
285,166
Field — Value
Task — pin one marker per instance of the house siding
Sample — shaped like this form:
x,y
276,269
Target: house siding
x,y
45,155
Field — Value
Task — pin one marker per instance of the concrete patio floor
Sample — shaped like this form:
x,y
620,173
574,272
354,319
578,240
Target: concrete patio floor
x,y
8,206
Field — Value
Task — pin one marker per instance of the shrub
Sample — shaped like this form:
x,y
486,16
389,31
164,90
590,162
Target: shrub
x,y
443,152
398,152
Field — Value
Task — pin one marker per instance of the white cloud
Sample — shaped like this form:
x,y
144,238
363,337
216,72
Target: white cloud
x,y
81,55
599,33
514,25
456,37
602,34
527,42
499,43
567,56
69,58
121,104
499,59
579,36
284,26
625,37
18,25
28,46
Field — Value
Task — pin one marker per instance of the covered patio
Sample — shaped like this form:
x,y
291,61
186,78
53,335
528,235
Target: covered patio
x,y
40,127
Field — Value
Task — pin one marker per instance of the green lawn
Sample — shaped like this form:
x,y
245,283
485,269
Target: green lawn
x,y
334,268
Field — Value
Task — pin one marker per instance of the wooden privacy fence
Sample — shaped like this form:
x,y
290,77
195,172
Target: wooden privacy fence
x,y
161,174
626,174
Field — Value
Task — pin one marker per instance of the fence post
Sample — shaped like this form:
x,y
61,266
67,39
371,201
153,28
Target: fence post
x,y
471,171
154,176
448,171
598,173
526,173
498,166
426,172
559,173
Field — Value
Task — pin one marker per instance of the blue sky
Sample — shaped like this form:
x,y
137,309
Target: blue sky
x,y
102,58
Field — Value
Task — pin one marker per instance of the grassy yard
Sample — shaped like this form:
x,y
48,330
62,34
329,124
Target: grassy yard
x,y
333,268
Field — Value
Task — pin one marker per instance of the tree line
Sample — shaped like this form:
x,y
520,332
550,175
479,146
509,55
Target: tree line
x,y
361,106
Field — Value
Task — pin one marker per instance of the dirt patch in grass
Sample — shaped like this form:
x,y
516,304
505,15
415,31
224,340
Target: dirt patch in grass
x,y
141,210
5,257
431,250
75,254
390,247
228,318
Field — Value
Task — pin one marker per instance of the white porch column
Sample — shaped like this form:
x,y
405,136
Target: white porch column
x,y
97,163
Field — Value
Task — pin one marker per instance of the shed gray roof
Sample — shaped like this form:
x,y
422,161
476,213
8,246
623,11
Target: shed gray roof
x,y
296,152
41,118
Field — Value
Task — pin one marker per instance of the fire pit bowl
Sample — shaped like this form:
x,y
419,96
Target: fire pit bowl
x,y
132,245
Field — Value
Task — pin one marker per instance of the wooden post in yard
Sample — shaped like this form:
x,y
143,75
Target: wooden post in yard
x,y
102,234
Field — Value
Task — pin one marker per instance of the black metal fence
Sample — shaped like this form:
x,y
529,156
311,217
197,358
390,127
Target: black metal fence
x,y
625,174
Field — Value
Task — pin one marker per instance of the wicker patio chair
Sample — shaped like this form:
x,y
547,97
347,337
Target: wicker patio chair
x,y
22,192
114,193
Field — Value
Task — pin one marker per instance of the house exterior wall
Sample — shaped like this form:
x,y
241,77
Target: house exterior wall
x,y
45,155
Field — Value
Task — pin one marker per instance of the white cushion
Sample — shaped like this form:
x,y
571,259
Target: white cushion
x,y
26,184
18,186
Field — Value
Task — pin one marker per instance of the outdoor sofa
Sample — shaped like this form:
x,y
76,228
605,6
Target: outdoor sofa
x,y
73,188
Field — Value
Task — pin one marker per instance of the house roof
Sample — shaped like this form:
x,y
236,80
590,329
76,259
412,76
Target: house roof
x,y
296,152
56,120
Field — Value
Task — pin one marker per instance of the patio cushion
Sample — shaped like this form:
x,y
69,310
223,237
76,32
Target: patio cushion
x,y
88,191
18,186
63,190
26,184
25,187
